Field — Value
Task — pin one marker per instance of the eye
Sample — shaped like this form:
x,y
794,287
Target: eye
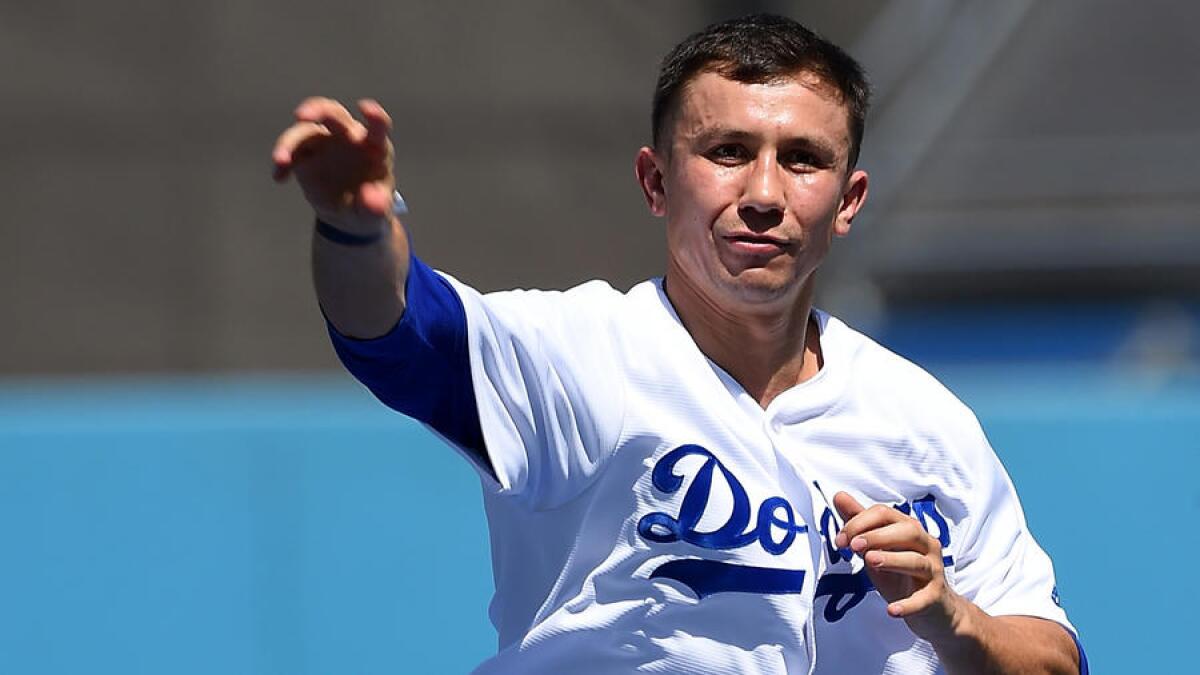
x,y
800,160
727,154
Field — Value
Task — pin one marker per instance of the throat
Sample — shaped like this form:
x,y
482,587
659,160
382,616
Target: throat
x,y
766,354
764,378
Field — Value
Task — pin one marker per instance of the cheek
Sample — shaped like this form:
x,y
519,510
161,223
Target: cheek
x,y
699,200
816,202
684,195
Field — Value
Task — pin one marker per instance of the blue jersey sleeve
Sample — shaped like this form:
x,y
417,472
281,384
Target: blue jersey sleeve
x,y
422,366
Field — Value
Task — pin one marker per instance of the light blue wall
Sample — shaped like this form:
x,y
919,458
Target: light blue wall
x,y
291,525
233,526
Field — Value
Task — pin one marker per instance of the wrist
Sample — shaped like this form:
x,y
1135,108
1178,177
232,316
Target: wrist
x,y
354,231
964,634
346,237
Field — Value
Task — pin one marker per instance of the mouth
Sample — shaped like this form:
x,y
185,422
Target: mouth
x,y
756,244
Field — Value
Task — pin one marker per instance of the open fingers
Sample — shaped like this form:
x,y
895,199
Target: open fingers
x,y
290,141
333,115
378,121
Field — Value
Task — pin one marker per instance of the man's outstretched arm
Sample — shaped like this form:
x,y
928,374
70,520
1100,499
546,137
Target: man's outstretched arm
x,y
905,564
344,167
365,278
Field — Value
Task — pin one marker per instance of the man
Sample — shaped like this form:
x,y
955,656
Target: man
x,y
704,474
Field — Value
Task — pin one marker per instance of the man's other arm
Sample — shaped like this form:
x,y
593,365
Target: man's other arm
x,y
905,564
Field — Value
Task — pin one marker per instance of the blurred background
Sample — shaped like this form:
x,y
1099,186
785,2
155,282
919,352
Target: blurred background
x,y
190,484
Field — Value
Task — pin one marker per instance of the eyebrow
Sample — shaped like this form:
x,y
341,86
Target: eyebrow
x,y
713,134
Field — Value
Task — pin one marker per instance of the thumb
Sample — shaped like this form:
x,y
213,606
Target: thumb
x,y
376,197
847,506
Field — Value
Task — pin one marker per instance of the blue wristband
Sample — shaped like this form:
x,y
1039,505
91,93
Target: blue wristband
x,y
345,238
337,236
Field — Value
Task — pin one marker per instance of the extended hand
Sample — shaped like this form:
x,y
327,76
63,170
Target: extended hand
x,y
343,166
905,564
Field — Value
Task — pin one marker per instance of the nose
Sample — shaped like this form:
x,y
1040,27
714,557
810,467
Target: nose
x,y
763,193
764,186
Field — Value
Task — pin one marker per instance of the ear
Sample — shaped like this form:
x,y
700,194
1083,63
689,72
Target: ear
x,y
649,169
853,198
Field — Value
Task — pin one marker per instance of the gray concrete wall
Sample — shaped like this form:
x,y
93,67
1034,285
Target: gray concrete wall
x,y
142,232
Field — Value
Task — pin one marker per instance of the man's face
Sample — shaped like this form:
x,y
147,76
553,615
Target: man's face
x,y
754,187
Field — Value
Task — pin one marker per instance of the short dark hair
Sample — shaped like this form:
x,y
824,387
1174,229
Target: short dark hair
x,y
758,49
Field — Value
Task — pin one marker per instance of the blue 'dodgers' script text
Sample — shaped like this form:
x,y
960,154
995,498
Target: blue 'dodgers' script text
x,y
775,528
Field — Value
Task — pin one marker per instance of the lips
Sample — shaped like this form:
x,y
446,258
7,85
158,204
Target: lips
x,y
756,244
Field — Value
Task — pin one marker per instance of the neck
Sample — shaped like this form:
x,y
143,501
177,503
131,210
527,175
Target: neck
x,y
767,349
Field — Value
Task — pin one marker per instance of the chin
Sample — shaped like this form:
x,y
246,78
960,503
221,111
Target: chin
x,y
756,287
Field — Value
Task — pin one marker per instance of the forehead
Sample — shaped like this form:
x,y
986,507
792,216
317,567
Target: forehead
x,y
800,105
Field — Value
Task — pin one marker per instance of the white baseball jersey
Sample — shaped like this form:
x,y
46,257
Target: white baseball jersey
x,y
647,515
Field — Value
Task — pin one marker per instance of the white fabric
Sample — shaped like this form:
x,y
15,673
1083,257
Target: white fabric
x,y
582,393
